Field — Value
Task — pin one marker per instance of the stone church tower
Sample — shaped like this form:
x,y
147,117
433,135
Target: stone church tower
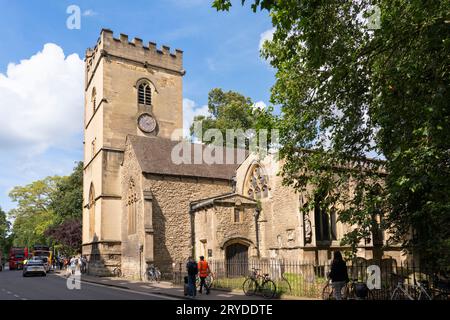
x,y
130,89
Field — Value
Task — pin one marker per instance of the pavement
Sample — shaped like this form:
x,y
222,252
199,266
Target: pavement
x,y
163,288
56,286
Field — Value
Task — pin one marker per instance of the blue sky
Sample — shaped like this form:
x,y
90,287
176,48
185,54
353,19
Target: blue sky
x,y
41,98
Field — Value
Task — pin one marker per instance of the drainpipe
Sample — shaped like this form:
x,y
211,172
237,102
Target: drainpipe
x,y
192,217
257,212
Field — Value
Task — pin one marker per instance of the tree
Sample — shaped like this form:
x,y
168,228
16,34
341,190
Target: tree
x,y
67,203
67,235
47,209
5,241
67,200
347,91
232,110
33,214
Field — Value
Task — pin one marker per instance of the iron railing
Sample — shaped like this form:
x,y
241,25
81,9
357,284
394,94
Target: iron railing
x,y
306,279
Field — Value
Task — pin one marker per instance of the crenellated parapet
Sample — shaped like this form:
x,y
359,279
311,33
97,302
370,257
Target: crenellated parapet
x,y
133,51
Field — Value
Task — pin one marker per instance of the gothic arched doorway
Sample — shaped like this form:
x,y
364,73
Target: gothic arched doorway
x,y
236,257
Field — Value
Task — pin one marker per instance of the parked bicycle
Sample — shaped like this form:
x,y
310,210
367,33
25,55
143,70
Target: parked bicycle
x,y
328,291
117,272
353,290
357,290
403,291
258,282
441,288
153,273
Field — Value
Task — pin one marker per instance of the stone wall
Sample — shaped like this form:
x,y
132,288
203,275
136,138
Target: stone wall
x,y
171,218
215,226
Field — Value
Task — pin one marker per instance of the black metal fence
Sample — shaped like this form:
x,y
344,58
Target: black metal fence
x,y
305,279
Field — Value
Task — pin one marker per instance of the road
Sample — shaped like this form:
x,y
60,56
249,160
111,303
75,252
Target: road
x,y
53,287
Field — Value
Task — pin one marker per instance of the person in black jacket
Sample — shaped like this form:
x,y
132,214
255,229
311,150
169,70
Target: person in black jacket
x,y
338,274
192,270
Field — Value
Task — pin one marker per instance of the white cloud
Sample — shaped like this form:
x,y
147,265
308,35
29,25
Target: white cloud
x,y
89,13
190,110
41,102
260,105
265,36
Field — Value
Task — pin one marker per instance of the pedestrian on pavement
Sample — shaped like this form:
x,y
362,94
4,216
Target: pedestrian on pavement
x,y
203,270
192,270
83,264
73,265
338,274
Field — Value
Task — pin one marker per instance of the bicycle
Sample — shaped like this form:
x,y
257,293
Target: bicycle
x,y
153,274
209,280
257,282
441,289
117,272
328,291
357,290
401,292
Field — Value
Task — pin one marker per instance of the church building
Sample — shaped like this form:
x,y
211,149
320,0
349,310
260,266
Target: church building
x,y
141,207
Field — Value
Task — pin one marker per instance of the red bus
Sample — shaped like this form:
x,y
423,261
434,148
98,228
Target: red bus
x,y
16,257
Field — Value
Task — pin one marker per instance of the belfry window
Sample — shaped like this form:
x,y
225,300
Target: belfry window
x,y
144,94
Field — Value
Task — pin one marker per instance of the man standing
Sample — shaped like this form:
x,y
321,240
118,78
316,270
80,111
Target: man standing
x,y
203,270
192,271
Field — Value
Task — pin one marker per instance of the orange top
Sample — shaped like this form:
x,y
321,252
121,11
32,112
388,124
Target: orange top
x,y
203,268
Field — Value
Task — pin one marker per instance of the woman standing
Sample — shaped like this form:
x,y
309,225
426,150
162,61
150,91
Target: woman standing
x,y
338,274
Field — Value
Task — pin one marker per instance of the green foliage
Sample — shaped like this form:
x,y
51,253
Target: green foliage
x,y
226,4
231,110
67,200
5,240
347,91
33,214
45,205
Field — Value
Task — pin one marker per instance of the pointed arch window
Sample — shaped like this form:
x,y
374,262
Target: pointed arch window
x,y
325,220
131,205
257,183
144,93
91,212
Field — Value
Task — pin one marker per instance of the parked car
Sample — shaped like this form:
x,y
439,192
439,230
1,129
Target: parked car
x,y
34,267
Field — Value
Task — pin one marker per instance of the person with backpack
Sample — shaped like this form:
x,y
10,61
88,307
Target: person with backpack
x,y
203,270
192,270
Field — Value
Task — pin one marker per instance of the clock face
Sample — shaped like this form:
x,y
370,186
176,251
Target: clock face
x,y
146,123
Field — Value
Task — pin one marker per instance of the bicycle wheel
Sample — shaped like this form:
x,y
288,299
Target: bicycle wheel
x,y
400,295
197,282
209,281
348,292
249,287
327,292
268,289
117,272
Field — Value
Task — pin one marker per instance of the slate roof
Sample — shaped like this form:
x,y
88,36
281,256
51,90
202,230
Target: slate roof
x,y
154,155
